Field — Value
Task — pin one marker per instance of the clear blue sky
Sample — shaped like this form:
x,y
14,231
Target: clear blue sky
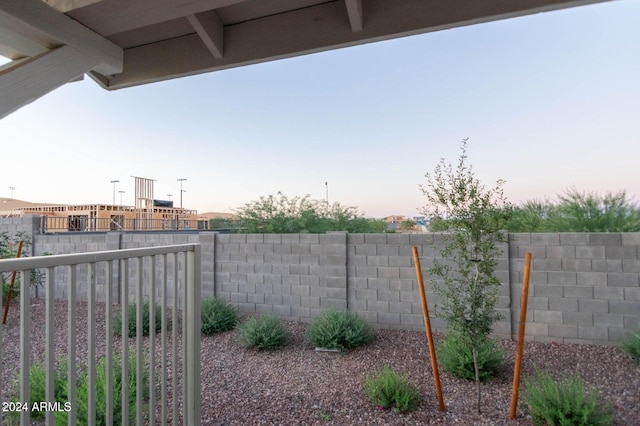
x,y
547,101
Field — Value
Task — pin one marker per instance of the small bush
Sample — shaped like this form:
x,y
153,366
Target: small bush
x,y
338,330
37,387
132,320
564,402
265,331
217,315
456,358
37,384
388,389
632,346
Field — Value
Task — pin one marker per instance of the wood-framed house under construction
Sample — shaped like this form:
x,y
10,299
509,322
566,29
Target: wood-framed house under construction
x,y
157,216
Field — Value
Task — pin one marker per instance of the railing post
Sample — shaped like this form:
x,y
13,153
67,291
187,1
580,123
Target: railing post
x,y
192,309
25,345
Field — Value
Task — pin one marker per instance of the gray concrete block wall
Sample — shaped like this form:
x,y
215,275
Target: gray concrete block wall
x,y
383,286
584,287
293,275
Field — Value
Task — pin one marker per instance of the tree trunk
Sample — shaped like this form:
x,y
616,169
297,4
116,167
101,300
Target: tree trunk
x,y
474,351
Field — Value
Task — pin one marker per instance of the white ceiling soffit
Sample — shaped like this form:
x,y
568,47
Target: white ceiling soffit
x,y
143,41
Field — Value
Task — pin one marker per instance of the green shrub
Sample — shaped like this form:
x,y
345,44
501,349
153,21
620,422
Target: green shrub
x,y
37,388
632,345
37,383
456,358
132,320
217,315
388,389
266,331
338,330
566,402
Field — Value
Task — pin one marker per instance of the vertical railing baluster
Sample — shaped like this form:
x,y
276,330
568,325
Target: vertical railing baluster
x,y
193,409
71,343
50,345
108,356
25,344
139,341
174,340
1,368
124,306
163,363
185,337
152,342
91,342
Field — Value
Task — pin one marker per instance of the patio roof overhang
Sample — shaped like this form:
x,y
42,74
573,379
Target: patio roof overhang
x,y
123,43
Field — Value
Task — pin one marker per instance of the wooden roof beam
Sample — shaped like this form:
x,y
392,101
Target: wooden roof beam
x,y
356,17
23,81
210,30
42,24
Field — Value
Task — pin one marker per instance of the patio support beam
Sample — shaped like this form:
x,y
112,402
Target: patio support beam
x,y
41,23
211,30
356,18
26,80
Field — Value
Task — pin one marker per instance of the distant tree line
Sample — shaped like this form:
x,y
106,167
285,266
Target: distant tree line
x,y
279,214
577,212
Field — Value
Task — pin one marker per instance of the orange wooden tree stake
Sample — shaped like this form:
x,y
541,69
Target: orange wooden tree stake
x,y
427,326
10,292
523,319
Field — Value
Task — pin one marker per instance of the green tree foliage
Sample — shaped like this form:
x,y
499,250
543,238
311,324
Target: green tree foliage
x,y
279,214
473,218
577,211
590,212
532,216
223,223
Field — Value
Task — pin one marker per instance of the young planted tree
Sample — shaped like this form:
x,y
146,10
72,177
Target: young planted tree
x,y
472,218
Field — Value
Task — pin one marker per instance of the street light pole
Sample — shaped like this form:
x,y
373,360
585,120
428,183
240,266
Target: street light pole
x,y
181,180
326,184
114,190
12,188
121,192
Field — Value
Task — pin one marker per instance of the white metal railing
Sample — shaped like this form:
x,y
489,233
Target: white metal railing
x,y
160,273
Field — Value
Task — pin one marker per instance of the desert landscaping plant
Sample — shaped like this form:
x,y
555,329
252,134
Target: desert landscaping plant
x,y
340,330
265,331
132,320
631,345
388,389
456,358
472,218
37,383
564,402
217,315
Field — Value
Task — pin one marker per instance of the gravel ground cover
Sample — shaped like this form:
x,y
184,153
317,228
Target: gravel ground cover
x,y
299,386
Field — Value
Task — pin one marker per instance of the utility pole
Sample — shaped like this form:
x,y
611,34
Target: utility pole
x,y
12,188
181,180
114,191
